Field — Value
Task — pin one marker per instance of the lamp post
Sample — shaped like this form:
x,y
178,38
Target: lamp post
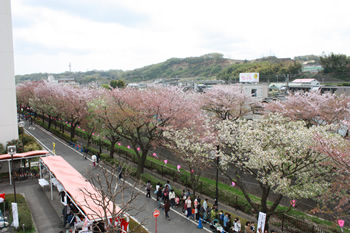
x,y
12,150
103,126
21,124
100,146
217,182
217,177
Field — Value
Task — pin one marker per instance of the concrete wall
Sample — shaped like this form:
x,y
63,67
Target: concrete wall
x,y
261,90
8,112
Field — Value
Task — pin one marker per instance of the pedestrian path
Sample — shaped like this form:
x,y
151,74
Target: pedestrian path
x,y
178,222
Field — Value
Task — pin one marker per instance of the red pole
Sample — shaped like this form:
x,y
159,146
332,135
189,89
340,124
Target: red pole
x,y
156,225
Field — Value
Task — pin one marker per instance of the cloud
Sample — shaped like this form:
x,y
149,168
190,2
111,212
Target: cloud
x,y
116,34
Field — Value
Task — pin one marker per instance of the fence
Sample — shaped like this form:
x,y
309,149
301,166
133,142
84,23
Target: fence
x,y
293,225
288,223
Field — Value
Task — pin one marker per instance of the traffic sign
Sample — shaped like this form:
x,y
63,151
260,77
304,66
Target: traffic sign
x,y
156,213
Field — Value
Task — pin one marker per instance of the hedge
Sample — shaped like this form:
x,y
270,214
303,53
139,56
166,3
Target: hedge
x,y
24,214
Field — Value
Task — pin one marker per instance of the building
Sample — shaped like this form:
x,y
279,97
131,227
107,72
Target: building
x,y
8,117
259,91
52,79
305,82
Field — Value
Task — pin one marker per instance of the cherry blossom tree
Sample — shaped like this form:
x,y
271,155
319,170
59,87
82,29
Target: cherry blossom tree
x,y
192,144
336,200
107,117
25,92
227,102
278,154
140,116
75,101
314,108
45,100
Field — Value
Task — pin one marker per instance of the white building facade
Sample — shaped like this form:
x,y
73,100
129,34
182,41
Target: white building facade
x,y
8,116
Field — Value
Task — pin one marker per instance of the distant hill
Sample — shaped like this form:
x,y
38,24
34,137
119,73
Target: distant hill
x,y
207,67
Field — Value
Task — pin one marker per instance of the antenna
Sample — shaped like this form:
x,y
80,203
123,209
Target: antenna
x,y
70,67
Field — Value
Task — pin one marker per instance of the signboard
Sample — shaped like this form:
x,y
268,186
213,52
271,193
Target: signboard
x,y
261,222
156,213
15,222
249,77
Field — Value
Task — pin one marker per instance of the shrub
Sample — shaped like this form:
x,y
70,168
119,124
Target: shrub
x,y
24,214
32,147
27,139
2,149
17,143
65,135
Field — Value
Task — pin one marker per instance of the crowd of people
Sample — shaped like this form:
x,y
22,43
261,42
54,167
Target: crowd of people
x,y
194,208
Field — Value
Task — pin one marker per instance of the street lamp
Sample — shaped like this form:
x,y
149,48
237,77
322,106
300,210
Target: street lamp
x,y
100,146
12,150
213,156
217,181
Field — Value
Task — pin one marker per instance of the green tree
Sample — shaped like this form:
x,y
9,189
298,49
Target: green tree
x,y
334,63
117,83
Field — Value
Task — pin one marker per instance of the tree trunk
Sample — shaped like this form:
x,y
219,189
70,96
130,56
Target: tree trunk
x,y
141,163
111,151
49,125
89,136
72,131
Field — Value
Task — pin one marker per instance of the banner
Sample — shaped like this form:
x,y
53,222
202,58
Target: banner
x,y
2,197
261,222
248,77
15,222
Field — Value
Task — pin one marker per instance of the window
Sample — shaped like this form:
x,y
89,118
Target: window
x,y
253,92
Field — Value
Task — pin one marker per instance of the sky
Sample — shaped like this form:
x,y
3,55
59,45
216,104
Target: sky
x,y
48,35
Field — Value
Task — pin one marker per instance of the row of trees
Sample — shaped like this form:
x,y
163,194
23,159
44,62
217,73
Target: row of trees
x,y
292,151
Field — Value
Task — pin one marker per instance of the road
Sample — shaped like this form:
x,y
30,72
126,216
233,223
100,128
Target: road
x,y
178,222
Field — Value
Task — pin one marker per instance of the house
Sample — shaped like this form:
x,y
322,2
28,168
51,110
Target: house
x,y
52,79
305,82
258,91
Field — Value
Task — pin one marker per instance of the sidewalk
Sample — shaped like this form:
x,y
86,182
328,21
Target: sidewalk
x,y
174,184
178,222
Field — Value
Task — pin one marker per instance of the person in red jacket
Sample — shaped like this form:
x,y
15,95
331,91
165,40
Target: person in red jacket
x,y
167,209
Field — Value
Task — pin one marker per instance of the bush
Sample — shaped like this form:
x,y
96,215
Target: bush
x,y
32,147
2,149
30,144
27,139
17,143
24,214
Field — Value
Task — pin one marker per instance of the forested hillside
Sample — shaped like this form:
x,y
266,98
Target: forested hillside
x,y
214,66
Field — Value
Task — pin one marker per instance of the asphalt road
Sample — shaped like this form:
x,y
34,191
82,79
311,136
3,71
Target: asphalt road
x,y
178,222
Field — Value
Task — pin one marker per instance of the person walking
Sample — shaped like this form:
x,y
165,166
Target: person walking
x,y
248,228
94,159
188,204
166,193
236,226
65,212
120,171
159,196
86,152
168,183
172,198
148,188
226,222
205,208
98,157
167,209
195,206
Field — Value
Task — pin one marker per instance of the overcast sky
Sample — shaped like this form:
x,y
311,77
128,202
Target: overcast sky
x,y
121,34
